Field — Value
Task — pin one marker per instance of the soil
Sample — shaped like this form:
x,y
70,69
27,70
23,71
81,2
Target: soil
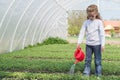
x,y
111,42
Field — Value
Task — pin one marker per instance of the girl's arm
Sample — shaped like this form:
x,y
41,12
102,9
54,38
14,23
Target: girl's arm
x,y
81,35
102,35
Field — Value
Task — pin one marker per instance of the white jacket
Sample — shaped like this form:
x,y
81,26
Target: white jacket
x,y
94,31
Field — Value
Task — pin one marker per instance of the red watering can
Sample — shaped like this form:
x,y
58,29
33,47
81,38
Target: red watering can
x,y
79,55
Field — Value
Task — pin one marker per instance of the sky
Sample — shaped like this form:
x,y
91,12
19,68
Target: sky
x,y
109,9
110,14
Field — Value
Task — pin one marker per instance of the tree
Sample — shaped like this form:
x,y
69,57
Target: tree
x,y
75,21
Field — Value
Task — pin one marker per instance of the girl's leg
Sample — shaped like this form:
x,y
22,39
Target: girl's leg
x,y
97,59
88,60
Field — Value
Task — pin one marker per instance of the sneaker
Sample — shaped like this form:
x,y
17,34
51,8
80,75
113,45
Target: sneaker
x,y
98,78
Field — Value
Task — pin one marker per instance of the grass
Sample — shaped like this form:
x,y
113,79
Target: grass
x,y
53,62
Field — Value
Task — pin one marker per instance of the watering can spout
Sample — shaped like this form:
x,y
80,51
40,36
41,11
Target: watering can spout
x,y
76,61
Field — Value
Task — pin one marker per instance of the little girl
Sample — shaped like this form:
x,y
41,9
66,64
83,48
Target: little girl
x,y
95,39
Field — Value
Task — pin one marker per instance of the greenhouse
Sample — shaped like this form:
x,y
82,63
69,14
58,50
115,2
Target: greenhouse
x,y
27,22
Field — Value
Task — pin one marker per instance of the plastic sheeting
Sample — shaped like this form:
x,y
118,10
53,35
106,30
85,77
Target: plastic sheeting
x,y
27,22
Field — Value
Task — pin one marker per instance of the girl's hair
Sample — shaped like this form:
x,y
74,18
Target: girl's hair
x,y
93,8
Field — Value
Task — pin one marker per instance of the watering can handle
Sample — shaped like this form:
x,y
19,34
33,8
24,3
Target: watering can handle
x,y
79,48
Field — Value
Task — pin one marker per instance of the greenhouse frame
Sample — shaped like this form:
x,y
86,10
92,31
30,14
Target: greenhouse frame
x,y
28,22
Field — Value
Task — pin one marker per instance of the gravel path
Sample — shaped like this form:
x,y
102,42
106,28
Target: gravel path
x,y
111,42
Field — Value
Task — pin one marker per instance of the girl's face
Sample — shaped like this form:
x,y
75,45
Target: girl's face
x,y
91,15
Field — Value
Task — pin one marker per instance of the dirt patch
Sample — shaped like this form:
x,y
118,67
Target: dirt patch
x,y
111,42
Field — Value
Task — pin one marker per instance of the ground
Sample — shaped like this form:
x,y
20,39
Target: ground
x,y
53,62
111,41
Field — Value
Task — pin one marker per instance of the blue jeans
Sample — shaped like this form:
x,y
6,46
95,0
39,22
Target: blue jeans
x,y
97,59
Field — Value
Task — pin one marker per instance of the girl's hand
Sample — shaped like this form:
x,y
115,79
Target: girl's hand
x,y
78,46
102,48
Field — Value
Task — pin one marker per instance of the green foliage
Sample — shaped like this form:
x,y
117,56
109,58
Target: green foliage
x,y
56,40
31,46
75,21
53,62
50,40
112,32
73,30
